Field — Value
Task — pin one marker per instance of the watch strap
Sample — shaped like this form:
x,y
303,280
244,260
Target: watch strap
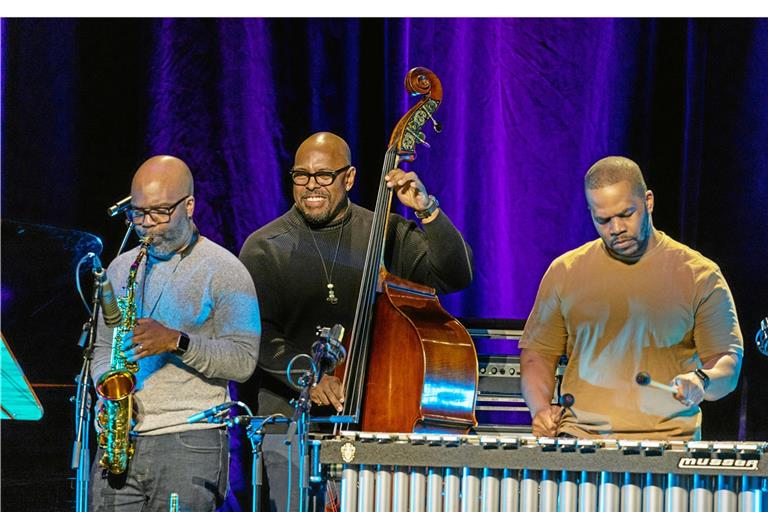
x,y
433,205
702,375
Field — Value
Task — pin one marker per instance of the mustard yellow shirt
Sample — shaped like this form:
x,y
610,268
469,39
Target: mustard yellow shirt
x,y
664,314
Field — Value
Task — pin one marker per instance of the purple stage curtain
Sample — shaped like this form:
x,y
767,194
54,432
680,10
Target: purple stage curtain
x,y
528,105
212,103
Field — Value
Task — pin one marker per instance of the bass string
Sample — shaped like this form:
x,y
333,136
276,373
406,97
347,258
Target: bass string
x,y
359,340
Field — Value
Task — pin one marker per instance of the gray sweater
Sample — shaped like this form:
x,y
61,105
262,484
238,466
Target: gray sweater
x,y
208,294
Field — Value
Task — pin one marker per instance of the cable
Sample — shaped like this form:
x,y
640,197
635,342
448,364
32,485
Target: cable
x,y
248,409
289,370
77,281
331,496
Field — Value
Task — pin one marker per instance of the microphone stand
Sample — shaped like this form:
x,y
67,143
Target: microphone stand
x,y
82,400
125,238
301,416
330,351
255,431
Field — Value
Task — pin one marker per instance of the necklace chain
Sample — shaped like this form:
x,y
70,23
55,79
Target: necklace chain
x,y
329,275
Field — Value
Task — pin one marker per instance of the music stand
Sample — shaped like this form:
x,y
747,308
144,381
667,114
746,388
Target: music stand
x,y
17,399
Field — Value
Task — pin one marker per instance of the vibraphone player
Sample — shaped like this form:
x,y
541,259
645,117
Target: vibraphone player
x,y
632,300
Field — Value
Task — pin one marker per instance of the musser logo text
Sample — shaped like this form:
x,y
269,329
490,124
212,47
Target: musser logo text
x,y
735,464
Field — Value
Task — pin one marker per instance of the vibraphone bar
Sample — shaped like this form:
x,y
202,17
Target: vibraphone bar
x,y
447,473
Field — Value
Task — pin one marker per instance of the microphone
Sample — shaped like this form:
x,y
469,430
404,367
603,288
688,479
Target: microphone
x,y
761,338
207,414
644,379
329,349
119,206
109,308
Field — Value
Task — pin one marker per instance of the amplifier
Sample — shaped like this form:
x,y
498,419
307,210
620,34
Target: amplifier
x,y
498,375
500,406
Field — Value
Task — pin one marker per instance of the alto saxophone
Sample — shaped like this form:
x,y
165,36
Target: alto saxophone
x,y
116,386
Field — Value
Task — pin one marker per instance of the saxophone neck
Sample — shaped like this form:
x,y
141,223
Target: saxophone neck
x,y
145,242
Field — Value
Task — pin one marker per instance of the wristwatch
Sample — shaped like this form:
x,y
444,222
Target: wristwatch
x,y
433,205
702,375
182,344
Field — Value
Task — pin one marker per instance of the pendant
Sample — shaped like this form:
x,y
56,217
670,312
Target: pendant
x,y
331,296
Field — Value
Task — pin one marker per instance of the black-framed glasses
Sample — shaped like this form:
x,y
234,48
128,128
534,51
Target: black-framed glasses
x,y
322,178
158,214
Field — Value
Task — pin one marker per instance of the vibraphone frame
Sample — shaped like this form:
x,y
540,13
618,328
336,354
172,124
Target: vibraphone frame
x,y
445,473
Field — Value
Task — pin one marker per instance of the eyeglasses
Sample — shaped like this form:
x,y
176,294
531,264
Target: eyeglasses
x,y
159,215
322,178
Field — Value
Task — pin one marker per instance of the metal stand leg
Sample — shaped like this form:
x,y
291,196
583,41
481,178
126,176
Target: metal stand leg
x,y
327,353
83,463
82,400
256,436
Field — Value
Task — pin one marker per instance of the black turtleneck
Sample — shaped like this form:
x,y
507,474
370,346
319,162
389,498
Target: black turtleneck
x,y
291,283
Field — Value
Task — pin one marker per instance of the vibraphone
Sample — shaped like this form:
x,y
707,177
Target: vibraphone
x,y
446,473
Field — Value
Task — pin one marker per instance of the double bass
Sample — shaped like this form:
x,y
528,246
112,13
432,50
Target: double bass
x,y
411,366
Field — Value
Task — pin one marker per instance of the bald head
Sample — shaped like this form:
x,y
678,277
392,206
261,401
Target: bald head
x,y
325,142
614,169
163,183
163,172
328,154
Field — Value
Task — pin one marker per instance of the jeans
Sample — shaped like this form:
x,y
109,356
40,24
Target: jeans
x,y
280,475
281,470
193,464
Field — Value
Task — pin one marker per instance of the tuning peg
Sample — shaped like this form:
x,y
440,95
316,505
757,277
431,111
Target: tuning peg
x,y
419,136
435,124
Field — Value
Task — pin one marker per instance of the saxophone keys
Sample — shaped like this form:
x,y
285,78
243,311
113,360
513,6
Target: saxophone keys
x,y
102,418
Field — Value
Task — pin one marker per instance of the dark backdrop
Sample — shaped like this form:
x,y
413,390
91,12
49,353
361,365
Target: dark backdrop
x,y
529,104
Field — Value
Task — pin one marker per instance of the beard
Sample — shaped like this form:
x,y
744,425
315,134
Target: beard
x,y
320,217
167,242
640,241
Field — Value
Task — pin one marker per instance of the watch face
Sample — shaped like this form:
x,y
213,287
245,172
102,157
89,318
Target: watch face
x,y
183,344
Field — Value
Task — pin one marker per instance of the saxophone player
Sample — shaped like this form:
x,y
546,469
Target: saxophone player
x,y
192,325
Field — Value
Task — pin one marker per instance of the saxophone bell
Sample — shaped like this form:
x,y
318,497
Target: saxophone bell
x,y
116,384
